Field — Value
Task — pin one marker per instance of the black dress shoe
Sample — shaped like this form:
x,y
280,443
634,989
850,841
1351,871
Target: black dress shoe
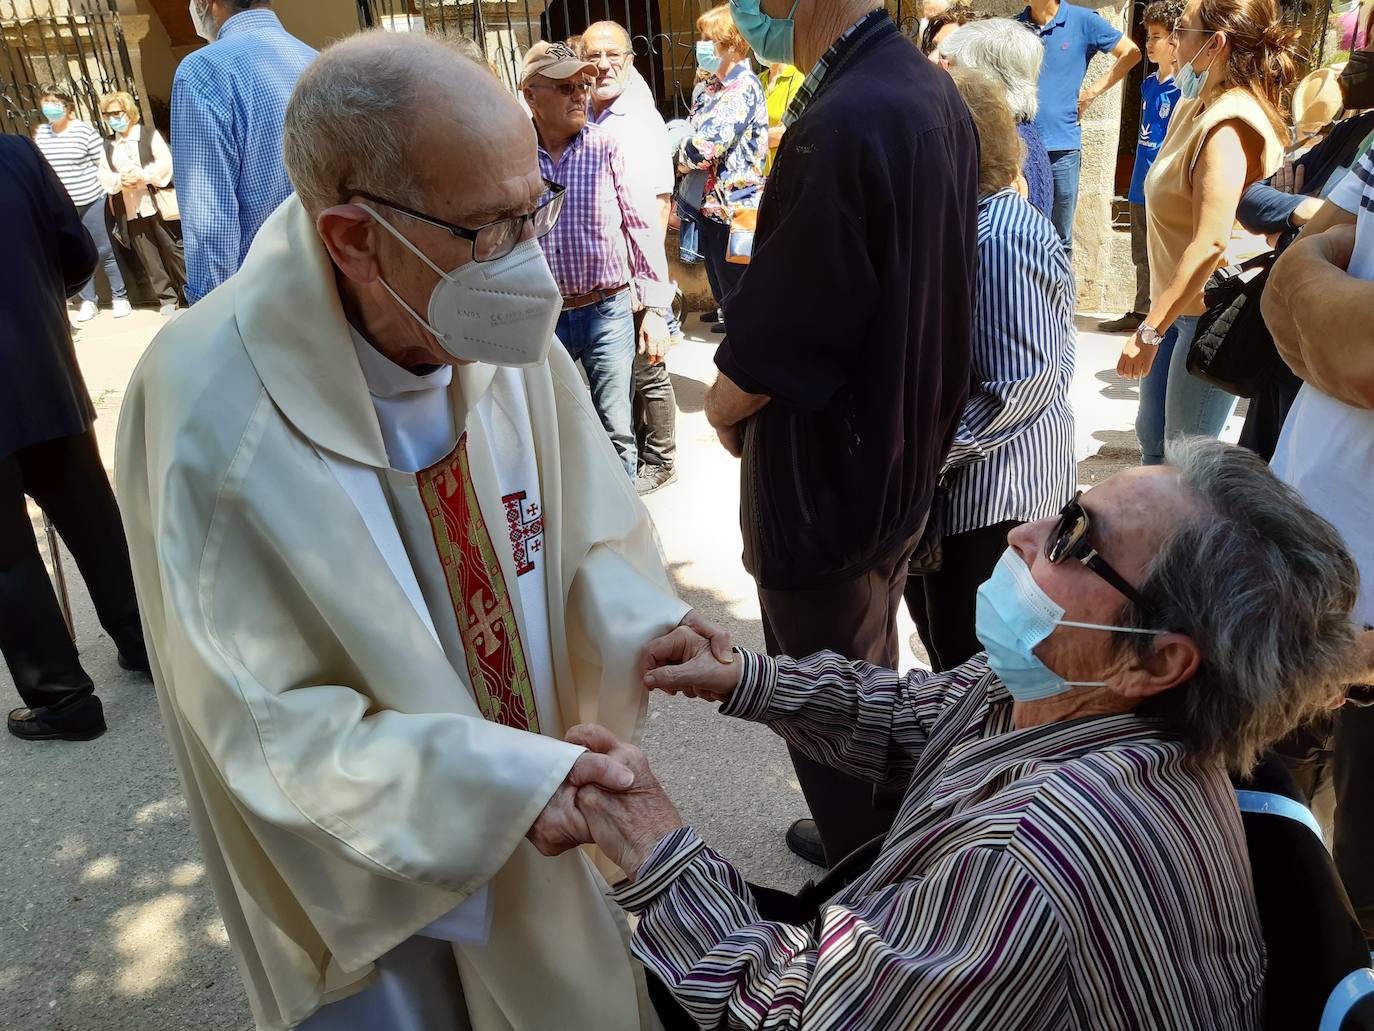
x,y
719,327
652,478
805,841
78,721
711,316
1128,323
135,663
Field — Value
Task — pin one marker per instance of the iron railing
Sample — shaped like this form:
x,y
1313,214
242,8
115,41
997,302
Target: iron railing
x,y
76,44
662,32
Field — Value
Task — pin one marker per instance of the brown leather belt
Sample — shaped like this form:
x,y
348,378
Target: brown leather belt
x,y
592,297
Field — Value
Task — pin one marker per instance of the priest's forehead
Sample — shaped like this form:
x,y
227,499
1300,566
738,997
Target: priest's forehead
x,y
478,162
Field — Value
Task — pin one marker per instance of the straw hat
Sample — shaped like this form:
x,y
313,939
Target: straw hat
x,y
1317,100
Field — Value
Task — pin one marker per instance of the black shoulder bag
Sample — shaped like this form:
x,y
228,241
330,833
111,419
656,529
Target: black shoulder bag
x,y
1232,348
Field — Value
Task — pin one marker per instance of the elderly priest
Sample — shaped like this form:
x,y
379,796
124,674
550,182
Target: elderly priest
x,y
386,557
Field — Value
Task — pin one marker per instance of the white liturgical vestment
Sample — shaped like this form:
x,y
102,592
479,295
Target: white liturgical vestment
x,y
363,692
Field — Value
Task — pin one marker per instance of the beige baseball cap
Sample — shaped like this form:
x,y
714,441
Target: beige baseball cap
x,y
554,61
1317,99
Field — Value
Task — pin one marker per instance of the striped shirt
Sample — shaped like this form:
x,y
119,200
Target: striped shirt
x,y
600,241
228,105
1081,874
1012,456
76,155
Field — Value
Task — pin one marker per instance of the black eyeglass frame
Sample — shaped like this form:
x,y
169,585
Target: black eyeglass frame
x,y
556,196
1069,539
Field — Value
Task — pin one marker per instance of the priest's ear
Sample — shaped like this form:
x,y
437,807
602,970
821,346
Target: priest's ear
x,y
351,235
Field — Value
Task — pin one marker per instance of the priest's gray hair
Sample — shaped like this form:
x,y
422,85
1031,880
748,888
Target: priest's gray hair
x,y
352,121
1265,587
1006,49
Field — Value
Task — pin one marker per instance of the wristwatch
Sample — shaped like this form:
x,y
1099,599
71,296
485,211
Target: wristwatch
x,y
1148,335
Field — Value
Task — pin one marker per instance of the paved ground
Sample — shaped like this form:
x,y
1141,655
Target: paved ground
x,y
106,921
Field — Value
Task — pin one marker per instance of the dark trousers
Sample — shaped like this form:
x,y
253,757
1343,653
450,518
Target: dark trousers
x,y
655,414
67,479
721,274
1332,761
158,247
1268,410
944,604
1140,258
857,619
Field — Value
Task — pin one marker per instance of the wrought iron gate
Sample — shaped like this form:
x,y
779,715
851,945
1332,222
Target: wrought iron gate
x,y
662,32
77,45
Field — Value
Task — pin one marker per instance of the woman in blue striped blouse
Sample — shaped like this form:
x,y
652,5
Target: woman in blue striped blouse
x,y
1012,459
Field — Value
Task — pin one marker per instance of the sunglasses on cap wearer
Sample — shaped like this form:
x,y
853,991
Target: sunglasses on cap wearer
x,y
498,238
565,89
1069,540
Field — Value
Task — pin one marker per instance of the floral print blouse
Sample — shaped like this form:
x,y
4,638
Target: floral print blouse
x,y
728,138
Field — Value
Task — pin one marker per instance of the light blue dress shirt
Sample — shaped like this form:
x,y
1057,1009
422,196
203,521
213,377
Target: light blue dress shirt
x,y
228,105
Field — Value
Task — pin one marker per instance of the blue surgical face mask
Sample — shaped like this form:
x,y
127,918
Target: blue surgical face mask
x,y
770,37
1013,616
54,112
707,58
1190,84
119,123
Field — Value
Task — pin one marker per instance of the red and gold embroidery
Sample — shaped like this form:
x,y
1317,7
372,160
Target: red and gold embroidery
x,y
477,586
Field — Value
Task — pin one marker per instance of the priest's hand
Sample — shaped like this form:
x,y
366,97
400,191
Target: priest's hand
x,y
626,825
685,662
560,826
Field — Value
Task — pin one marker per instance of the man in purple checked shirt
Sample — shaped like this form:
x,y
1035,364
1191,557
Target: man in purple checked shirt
x,y
600,249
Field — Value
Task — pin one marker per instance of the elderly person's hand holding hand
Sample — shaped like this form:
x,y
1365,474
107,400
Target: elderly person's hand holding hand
x,y
688,663
626,825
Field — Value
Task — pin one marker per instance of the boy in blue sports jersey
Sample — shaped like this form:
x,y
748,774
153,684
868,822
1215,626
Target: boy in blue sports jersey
x,y
1158,95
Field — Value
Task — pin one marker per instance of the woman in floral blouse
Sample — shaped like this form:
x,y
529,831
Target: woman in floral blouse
x,y
728,139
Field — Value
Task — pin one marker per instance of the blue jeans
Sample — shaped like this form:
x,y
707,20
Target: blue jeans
x,y
1174,403
602,337
93,218
1064,168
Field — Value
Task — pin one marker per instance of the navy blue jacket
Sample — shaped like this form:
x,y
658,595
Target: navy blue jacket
x,y
47,255
1265,210
855,316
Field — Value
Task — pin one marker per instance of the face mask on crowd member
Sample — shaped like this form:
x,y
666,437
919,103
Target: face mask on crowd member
x,y
204,21
119,123
54,110
708,60
771,38
501,312
1189,80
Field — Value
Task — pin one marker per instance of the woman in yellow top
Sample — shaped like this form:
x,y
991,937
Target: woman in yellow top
x,y
1235,58
779,87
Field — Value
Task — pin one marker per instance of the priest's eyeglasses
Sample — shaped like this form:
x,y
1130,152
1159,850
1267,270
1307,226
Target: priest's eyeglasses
x,y
1069,539
496,239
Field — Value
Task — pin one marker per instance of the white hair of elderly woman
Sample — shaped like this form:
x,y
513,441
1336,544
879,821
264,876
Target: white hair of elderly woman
x,y
1005,48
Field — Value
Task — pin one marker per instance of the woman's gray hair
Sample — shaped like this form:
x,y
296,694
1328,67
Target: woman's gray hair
x,y
351,122
1265,587
1003,47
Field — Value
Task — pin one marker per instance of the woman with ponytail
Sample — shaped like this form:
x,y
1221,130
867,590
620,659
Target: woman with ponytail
x,y
1235,59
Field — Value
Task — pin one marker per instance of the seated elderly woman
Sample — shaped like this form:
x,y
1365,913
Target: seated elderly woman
x,y
1069,853
1007,50
1012,458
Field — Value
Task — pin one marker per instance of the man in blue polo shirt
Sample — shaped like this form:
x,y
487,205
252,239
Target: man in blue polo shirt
x,y
1072,37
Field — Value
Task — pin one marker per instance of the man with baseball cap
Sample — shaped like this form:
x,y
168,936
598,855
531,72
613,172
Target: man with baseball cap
x,y
606,258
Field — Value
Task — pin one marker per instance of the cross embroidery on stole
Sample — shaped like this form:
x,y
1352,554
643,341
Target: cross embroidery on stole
x,y
477,586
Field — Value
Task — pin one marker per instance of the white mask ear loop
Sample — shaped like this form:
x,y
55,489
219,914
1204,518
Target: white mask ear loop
x,y
419,254
1111,629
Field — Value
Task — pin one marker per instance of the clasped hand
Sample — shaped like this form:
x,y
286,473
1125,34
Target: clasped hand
x,y
611,796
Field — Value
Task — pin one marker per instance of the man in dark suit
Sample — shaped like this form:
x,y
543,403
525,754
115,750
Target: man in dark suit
x,y
48,451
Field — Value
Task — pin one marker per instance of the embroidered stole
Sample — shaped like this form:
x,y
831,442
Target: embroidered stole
x,y
477,588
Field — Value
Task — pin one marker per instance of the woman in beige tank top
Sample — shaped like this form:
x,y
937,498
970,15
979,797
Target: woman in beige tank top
x,y
1235,57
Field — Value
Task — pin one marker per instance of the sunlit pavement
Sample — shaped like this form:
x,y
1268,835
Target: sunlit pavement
x,y
106,920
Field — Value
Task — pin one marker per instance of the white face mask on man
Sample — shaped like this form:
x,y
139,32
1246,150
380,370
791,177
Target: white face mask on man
x,y
203,21
500,312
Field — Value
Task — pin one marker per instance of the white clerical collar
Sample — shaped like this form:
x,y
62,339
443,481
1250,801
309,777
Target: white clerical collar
x,y
387,379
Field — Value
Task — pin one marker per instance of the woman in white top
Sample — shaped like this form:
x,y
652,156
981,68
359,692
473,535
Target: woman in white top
x,y
77,155
146,210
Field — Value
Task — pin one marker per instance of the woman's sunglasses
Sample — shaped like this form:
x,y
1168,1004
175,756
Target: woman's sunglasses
x,y
1069,540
